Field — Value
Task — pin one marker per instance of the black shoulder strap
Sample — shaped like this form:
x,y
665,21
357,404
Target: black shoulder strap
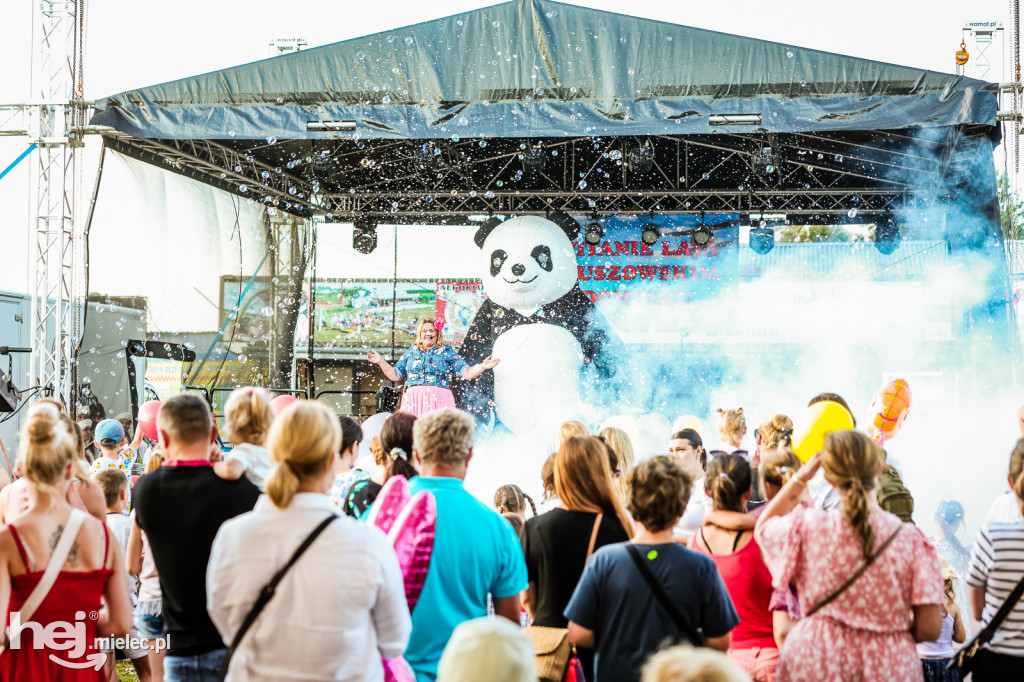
x,y
853,578
989,631
677,617
267,593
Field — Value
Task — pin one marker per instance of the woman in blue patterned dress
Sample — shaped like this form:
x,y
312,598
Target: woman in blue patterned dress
x,y
427,368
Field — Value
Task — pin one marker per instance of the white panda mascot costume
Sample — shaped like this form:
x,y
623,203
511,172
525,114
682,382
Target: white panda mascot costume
x,y
547,332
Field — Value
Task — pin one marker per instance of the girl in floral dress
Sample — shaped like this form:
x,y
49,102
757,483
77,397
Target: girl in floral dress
x,y
427,368
868,631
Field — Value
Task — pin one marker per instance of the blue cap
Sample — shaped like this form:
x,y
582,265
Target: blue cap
x,y
109,432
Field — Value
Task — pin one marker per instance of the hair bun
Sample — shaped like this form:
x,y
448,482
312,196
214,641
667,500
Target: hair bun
x,y
40,426
721,411
739,410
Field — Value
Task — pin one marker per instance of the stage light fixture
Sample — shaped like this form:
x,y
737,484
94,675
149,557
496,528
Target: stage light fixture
x,y
594,232
762,239
640,159
430,157
364,236
650,234
887,235
764,162
702,235
533,159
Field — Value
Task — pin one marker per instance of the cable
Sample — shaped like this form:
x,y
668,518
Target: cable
x,y
24,402
236,204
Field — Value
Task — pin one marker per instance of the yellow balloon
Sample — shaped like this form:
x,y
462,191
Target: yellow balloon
x,y
688,421
819,420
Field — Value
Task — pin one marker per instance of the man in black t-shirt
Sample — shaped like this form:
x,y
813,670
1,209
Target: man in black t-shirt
x,y
181,506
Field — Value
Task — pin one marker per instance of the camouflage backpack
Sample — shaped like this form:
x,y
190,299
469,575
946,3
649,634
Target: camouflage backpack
x,y
893,496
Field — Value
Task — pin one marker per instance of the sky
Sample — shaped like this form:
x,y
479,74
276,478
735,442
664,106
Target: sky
x,y
134,43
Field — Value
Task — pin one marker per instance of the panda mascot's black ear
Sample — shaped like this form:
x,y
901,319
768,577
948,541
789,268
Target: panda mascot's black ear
x,y
567,223
485,229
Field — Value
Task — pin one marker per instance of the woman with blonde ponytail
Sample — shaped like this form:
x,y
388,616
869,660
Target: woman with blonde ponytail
x,y
341,606
92,570
996,568
82,492
857,624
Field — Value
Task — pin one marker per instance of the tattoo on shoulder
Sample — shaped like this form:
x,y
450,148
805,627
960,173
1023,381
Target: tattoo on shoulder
x,y
72,559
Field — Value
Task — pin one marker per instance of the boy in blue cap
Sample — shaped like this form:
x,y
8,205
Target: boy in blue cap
x,y
114,454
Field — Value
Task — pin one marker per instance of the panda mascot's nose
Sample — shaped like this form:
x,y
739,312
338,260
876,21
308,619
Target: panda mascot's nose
x,y
518,269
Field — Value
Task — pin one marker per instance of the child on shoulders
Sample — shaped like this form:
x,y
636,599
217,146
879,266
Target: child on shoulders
x,y
247,417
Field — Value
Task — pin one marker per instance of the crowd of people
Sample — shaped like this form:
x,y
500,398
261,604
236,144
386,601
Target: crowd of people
x,y
265,562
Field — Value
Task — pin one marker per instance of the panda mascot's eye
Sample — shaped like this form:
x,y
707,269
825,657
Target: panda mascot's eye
x,y
542,255
498,259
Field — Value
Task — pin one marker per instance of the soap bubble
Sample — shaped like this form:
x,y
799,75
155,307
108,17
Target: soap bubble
x,y
852,213
280,100
482,144
243,188
243,357
839,158
582,184
496,24
552,14
408,40
360,55
265,174
789,53
385,99
271,140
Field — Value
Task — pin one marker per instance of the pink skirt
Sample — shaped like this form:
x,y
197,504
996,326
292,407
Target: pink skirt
x,y
418,400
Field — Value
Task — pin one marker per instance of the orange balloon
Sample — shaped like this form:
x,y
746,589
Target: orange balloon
x,y
889,409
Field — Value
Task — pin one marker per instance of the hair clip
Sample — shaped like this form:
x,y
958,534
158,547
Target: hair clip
x,y
723,475
781,470
399,453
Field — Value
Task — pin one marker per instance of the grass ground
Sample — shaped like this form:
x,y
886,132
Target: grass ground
x,y
125,672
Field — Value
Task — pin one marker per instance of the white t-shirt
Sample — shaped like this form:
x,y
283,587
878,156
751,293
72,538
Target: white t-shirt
x,y
698,505
1004,509
256,461
822,492
120,527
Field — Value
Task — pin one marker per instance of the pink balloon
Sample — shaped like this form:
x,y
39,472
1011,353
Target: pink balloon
x,y
390,501
282,403
147,418
412,536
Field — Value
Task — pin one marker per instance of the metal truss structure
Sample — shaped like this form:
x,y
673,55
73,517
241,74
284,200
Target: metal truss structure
x,y
820,177
54,125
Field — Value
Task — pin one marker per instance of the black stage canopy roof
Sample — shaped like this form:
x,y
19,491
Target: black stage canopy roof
x,y
531,105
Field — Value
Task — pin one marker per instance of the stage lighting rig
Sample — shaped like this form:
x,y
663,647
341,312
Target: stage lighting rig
x,y
650,234
762,239
594,232
640,159
887,235
765,161
702,234
533,159
364,236
430,157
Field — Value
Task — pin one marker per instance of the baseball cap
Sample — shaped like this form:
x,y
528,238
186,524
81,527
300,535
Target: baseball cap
x,y
109,432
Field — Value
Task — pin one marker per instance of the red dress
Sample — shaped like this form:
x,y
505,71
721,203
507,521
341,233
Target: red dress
x,y
74,599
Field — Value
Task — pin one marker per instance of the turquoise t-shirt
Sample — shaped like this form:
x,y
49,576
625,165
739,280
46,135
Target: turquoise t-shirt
x,y
476,553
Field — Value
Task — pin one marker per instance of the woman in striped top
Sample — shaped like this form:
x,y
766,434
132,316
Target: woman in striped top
x,y
997,565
